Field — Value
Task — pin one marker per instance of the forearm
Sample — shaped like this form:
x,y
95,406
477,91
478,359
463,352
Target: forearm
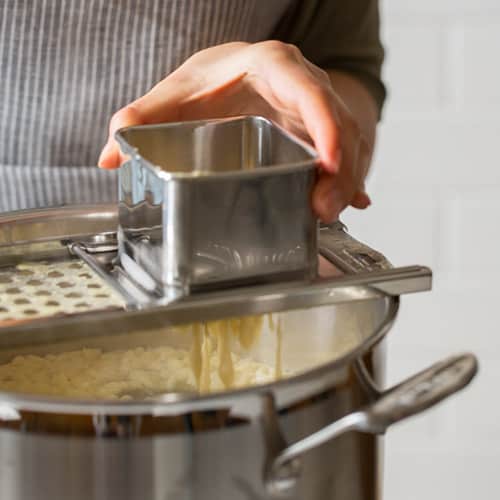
x,y
359,101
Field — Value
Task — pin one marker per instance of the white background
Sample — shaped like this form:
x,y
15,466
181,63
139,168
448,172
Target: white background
x,y
435,187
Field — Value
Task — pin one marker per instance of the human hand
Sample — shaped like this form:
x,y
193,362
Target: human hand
x,y
271,79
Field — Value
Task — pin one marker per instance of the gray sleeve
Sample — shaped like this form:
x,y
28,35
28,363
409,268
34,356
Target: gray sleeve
x,y
340,35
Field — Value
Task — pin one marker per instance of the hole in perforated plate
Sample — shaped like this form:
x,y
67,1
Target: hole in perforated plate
x,y
65,284
55,274
30,312
26,272
21,301
34,283
82,304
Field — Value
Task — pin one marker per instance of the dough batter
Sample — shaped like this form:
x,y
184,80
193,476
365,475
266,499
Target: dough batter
x,y
142,372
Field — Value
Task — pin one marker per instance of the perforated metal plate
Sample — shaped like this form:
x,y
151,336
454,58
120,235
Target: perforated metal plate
x,y
39,289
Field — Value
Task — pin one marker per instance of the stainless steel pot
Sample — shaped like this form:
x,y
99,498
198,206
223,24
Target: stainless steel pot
x,y
312,435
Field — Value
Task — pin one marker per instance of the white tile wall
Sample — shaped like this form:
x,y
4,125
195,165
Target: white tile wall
x,y
481,74
445,7
422,93
439,151
435,187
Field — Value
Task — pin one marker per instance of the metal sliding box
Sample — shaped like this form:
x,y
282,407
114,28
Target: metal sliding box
x,y
219,201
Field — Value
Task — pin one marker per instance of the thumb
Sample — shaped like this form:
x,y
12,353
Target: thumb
x,y
111,156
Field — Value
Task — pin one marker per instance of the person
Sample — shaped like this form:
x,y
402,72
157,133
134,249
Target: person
x,y
312,66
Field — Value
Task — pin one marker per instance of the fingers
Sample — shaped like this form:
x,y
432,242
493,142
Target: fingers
x,y
269,78
184,89
329,198
334,192
326,202
295,86
316,111
361,200
161,104
111,156
344,153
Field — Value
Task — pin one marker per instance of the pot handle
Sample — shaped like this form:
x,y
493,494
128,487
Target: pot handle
x,y
412,396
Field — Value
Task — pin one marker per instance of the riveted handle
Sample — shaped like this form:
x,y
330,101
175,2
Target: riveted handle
x,y
421,391
412,396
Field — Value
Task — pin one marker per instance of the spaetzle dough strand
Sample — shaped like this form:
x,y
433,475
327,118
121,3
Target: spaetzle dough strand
x,y
196,354
206,352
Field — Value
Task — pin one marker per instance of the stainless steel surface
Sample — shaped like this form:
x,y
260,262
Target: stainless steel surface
x,y
201,454
358,259
220,201
349,254
334,244
55,224
412,396
175,447
103,271
53,233
205,459
219,446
